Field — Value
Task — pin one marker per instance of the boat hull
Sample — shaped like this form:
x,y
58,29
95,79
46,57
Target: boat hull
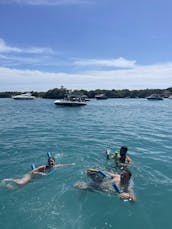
x,y
69,103
155,98
23,98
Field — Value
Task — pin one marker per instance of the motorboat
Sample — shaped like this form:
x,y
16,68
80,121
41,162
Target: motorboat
x,y
154,97
85,97
25,96
101,96
71,100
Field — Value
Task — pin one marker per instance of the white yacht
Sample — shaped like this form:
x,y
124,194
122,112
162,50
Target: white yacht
x,y
101,96
25,96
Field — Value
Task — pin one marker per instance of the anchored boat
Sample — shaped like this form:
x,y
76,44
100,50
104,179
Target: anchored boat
x,y
71,100
154,97
25,96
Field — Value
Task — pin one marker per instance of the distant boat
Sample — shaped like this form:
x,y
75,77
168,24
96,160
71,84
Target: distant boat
x,y
71,100
154,97
101,96
25,96
85,97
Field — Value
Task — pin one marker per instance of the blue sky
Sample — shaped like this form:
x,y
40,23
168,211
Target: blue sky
x,y
85,44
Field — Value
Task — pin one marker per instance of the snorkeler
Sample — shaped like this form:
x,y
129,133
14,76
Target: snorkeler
x,y
109,182
41,170
121,159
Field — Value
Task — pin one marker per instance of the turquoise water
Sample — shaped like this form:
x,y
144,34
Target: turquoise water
x,y
30,129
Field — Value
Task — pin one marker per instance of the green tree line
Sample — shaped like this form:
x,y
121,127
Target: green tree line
x,y
59,93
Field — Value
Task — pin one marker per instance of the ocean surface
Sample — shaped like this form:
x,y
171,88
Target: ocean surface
x,y
30,129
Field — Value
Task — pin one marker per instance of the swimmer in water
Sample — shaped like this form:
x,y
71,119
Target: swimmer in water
x,y
121,159
41,170
109,182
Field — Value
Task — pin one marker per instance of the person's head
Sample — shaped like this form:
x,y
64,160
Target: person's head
x,y
125,176
123,152
51,161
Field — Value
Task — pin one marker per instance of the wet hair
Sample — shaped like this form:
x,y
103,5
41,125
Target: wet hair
x,y
125,179
123,152
49,165
51,158
123,149
127,172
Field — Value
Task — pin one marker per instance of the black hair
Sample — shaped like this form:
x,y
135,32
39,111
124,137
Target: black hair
x,y
123,152
123,149
128,172
125,177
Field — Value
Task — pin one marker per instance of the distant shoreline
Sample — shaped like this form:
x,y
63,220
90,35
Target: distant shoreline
x,y
59,93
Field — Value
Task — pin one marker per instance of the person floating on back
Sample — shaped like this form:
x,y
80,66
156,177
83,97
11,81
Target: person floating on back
x,y
42,170
105,181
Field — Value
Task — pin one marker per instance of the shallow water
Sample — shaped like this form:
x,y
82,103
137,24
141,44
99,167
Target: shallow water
x,y
30,129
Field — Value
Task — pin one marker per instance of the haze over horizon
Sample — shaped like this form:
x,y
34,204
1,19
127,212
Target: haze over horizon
x,y
85,44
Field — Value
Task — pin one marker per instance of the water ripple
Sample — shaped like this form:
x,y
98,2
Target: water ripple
x,y
30,129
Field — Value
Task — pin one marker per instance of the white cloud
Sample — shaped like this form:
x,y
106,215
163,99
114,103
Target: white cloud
x,y
20,61
140,77
15,56
47,2
4,48
117,73
46,56
36,50
119,62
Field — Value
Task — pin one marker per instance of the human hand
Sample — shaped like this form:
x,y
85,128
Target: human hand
x,y
127,196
